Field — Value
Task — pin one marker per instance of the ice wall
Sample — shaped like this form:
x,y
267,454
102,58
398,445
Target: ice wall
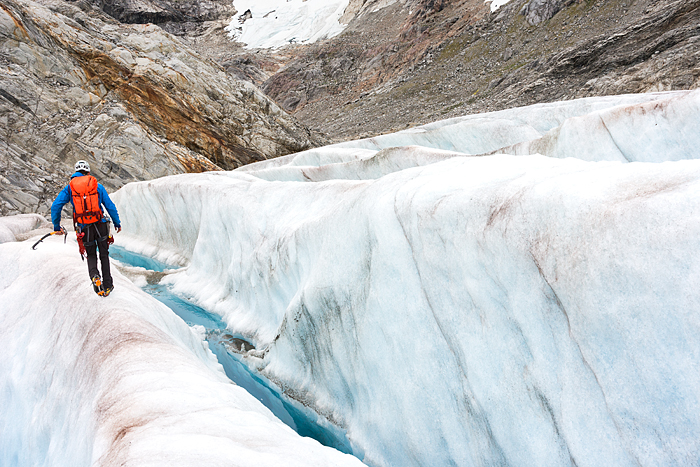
x,y
496,310
119,381
665,129
444,309
329,163
654,127
634,119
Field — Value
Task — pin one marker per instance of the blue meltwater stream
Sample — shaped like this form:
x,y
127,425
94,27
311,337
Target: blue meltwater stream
x,y
229,350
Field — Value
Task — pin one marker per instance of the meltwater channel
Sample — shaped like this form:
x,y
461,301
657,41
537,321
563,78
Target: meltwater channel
x,y
229,350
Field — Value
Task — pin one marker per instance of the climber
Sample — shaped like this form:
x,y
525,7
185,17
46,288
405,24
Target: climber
x,y
91,226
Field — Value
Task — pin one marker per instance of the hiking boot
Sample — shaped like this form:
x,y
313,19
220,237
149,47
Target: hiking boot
x,y
97,286
108,290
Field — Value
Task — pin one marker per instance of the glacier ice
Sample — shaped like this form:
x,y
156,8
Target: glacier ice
x,y
90,381
653,127
276,23
494,131
660,130
227,348
13,228
447,309
524,310
442,308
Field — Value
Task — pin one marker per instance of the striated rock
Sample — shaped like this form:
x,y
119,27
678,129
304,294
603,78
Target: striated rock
x,y
420,61
132,100
403,63
536,11
666,27
164,11
384,40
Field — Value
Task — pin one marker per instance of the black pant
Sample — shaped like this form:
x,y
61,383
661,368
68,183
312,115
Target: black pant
x,y
91,240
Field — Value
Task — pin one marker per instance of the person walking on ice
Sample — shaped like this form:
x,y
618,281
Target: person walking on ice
x,y
91,226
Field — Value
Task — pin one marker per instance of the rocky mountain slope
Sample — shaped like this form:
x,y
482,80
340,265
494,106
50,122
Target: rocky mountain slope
x,y
419,61
133,100
141,100
401,63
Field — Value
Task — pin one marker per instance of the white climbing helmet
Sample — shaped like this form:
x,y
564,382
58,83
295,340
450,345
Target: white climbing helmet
x,y
82,166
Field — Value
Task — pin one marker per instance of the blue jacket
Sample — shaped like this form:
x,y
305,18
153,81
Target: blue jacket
x,y
65,196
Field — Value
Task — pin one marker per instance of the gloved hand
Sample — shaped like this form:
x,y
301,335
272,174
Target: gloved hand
x,y
119,228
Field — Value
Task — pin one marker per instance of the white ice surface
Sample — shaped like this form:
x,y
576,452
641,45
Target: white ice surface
x,y
653,127
275,23
488,132
664,129
498,310
119,381
14,227
445,310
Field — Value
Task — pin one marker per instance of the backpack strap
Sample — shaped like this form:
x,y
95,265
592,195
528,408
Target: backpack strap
x,y
98,239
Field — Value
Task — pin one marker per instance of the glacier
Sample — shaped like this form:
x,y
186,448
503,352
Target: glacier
x,y
446,309
20,226
276,23
463,293
86,381
586,121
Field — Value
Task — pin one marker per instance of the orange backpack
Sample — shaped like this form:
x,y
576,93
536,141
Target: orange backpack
x,y
86,201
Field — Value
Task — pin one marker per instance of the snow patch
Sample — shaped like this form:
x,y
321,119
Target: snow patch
x,y
276,23
496,4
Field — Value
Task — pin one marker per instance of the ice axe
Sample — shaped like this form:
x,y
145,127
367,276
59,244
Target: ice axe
x,y
55,232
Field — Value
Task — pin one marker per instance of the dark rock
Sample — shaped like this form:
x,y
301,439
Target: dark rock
x,y
163,11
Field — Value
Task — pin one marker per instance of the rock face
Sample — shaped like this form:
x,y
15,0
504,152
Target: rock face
x,y
536,11
418,61
401,63
200,21
380,43
133,101
165,11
